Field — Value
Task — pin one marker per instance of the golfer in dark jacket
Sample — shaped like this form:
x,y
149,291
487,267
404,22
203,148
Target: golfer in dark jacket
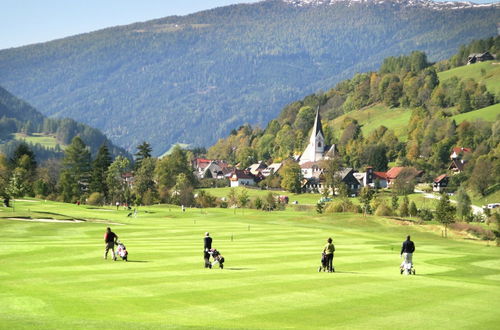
x,y
407,253
207,245
110,239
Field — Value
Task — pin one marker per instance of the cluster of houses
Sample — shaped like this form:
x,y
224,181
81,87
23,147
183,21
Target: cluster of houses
x,y
312,169
459,157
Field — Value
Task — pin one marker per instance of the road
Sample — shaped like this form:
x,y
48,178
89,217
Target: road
x,y
475,209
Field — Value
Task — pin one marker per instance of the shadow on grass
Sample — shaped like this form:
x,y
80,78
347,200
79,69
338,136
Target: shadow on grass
x,y
236,268
138,261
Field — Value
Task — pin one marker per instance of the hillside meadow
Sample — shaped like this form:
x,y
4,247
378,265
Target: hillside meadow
x,y
53,275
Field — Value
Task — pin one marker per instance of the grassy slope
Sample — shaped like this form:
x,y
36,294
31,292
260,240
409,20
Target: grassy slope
x,y
44,140
487,73
487,114
373,117
252,193
270,279
397,119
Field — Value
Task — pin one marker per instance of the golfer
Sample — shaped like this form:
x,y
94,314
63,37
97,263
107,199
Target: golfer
x,y
407,253
110,239
328,250
207,245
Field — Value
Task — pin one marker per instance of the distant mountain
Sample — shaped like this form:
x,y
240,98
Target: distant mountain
x,y
18,118
192,79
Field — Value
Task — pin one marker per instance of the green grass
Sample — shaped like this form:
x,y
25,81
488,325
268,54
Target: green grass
x,y
487,73
375,116
47,141
307,199
490,113
52,275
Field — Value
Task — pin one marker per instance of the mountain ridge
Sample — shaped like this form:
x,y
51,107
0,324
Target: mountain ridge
x,y
193,78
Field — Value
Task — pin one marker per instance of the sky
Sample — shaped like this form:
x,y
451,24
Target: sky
x,y
24,22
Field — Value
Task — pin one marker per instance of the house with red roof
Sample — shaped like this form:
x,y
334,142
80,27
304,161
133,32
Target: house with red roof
x,y
459,157
240,178
440,183
395,172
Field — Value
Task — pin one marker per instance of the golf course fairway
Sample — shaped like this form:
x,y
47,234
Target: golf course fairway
x,y
53,275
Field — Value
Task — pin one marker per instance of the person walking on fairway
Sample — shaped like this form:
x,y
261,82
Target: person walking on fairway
x,y
110,239
207,245
407,253
328,250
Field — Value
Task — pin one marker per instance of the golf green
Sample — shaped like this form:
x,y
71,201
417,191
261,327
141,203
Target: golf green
x,y
53,276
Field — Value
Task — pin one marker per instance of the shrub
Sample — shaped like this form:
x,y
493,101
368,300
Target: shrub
x,y
95,198
425,214
478,231
383,210
342,206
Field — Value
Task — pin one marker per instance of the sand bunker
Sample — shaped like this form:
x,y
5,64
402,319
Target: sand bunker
x,y
44,220
65,221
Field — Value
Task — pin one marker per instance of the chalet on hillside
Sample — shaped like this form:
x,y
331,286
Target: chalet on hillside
x,y
479,57
395,172
459,157
460,152
440,183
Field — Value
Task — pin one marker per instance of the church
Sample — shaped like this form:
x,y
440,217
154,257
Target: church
x,y
316,149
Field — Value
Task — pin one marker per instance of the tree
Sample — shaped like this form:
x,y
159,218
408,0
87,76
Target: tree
x,y
404,207
445,213
291,176
463,204
246,156
413,209
243,198
169,168
232,198
75,176
365,197
481,175
320,206
332,167
99,171
115,181
394,201
404,184
143,151
143,179
183,191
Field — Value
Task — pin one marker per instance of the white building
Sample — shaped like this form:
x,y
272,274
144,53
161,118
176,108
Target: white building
x,y
316,149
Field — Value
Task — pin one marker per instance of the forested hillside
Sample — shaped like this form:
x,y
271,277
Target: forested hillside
x,y
20,121
192,79
402,115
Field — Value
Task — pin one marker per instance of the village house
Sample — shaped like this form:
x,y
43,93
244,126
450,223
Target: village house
x,y
272,169
395,172
207,168
317,183
257,167
239,178
479,57
379,180
440,183
365,178
459,157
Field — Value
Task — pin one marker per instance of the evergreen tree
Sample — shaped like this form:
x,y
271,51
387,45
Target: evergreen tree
x,y
445,213
365,198
143,151
463,204
413,209
100,167
404,207
171,166
75,177
143,179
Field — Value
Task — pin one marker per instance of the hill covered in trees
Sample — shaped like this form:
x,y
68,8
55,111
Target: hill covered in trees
x,y
192,79
20,121
412,115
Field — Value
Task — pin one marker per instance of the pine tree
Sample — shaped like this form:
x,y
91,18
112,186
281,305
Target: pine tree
x,y
100,167
75,177
463,204
445,213
143,151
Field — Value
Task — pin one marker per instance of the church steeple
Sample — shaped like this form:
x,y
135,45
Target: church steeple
x,y
316,148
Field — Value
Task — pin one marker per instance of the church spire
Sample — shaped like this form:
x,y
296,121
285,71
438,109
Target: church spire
x,y
317,128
